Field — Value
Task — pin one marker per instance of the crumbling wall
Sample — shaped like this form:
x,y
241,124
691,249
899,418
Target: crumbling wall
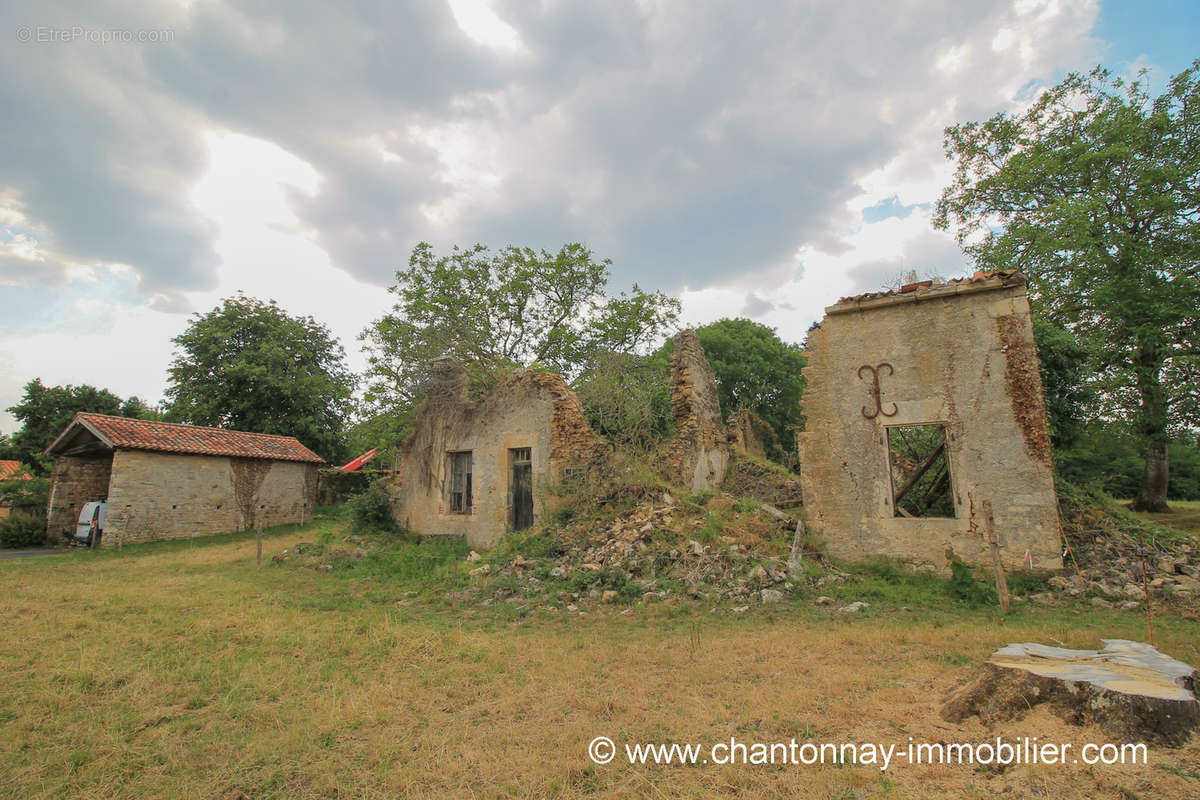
x,y
748,433
960,355
75,481
528,409
698,456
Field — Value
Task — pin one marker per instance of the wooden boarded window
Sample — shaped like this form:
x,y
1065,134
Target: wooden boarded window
x,y
460,483
921,481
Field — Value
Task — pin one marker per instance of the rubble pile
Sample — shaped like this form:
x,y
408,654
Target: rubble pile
x,y
660,548
1110,560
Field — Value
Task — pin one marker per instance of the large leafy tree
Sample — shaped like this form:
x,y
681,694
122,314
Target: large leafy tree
x,y
499,310
1094,192
44,411
248,365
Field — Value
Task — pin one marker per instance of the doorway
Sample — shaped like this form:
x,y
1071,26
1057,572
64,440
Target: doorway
x,y
522,487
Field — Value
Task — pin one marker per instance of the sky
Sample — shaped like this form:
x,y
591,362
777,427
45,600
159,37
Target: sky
x,y
756,160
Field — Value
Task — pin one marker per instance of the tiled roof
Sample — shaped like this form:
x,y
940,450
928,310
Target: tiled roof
x,y
169,437
11,471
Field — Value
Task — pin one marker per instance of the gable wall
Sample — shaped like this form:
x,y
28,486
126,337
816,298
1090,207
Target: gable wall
x,y
534,410
74,481
964,359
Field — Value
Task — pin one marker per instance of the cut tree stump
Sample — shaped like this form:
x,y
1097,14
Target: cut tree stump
x,y
1129,689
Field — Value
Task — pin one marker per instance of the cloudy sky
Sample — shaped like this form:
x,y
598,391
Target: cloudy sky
x,y
757,159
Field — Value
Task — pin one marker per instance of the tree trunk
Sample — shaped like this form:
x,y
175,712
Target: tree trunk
x,y
1152,424
1153,494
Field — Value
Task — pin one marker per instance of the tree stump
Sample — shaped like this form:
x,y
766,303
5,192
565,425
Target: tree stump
x,y
1130,689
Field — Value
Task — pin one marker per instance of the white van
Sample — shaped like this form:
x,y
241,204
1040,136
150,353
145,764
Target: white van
x,y
90,527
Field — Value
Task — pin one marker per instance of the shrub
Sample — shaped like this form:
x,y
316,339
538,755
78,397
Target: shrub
x,y
371,511
22,530
965,587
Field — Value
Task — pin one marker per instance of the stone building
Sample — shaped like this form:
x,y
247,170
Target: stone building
x,y
478,468
926,429
167,481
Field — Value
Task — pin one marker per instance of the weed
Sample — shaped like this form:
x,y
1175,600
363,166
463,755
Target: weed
x,y
966,587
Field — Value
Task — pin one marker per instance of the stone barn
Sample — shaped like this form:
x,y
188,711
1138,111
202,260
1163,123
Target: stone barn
x,y
167,481
926,429
477,468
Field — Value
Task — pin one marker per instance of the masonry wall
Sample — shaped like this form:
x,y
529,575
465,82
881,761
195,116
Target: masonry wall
x,y
698,455
961,355
75,481
529,409
168,496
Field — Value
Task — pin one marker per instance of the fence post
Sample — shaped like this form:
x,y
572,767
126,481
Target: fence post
x,y
1001,579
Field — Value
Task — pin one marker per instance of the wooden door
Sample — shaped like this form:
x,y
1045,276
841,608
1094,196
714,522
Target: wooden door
x,y
522,489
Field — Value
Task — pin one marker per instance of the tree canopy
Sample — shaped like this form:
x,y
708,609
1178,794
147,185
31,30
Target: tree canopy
x,y
496,311
1094,192
248,365
44,411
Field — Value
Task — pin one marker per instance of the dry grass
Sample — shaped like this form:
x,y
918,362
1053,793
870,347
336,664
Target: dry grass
x,y
182,671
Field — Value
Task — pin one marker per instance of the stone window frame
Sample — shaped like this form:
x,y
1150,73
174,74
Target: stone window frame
x,y
947,437
460,483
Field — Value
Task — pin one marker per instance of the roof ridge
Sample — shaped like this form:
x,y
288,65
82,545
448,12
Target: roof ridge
x,y
185,425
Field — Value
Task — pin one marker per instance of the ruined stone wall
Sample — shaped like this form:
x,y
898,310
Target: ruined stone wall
x,y
75,481
748,433
698,456
528,409
169,496
961,355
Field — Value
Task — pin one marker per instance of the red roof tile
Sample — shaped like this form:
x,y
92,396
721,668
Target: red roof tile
x,y
168,437
924,287
11,471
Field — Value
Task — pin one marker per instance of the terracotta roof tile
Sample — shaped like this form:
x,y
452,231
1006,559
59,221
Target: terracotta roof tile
x,y
930,287
11,470
169,437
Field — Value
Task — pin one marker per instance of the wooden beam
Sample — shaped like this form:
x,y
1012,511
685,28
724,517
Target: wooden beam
x,y
910,482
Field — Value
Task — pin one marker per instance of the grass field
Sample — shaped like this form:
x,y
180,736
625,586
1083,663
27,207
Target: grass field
x,y
181,670
1184,515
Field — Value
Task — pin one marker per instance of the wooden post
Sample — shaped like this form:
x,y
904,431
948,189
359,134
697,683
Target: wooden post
x,y
797,553
1001,580
258,537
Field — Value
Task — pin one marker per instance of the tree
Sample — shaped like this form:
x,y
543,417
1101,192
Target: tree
x,y
248,365
757,370
1064,364
1094,193
627,398
44,411
496,311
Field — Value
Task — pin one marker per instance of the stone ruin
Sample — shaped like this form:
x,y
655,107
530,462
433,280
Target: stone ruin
x,y
476,468
925,435
698,456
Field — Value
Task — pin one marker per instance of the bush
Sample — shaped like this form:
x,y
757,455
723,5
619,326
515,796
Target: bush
x,y
22,530
965,587
371,511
